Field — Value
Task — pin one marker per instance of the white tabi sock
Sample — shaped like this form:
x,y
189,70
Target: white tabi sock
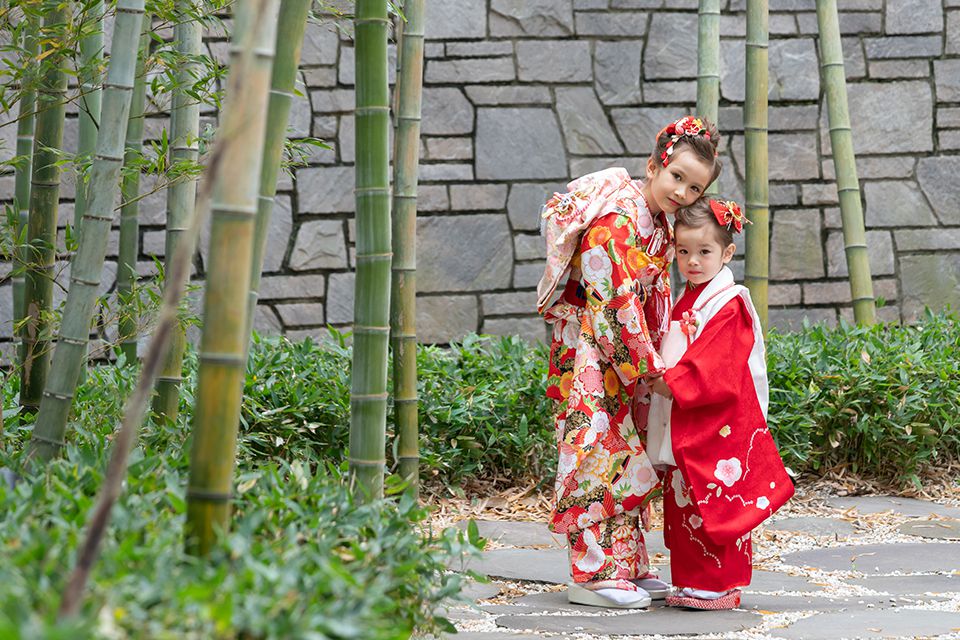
x,y
703,594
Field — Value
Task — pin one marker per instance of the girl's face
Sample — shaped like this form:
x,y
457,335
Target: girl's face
x,y
699,255
678,184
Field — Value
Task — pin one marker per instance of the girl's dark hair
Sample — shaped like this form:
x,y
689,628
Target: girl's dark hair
x,y
706,149
700,214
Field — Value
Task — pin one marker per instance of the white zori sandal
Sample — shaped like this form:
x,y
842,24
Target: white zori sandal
x,y
654,586
613,594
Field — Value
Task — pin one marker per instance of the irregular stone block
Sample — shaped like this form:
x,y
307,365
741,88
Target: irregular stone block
x,y
537,18
442,319
812,525
325,189
266,322
339,300
455,20
432,197
663,59
531,329
509,95
617,71
892,69
638,127
948,140
792,319
934,529
320,244
813,194
793,117
478,197
333,101
635,166
478,70
445,111
526,201
876,167
879,251
463,253
6,312
508,138
839,292
516,302
939,177
527,274
795,249
301,314
896,203
784,294
292,287
890,117
929,281
446,172
904,47
670,92
605,24
947,74
794,72
585,126
320,44
914,16
791,156
447,148
554,61
478,49
953,33
933,239
667,621
529,247
278,234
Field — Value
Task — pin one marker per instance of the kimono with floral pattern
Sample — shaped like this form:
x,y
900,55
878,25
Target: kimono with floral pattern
x,y
606,334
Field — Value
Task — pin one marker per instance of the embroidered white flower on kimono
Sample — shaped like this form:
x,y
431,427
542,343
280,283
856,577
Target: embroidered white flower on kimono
x,y
728,471
695,521
596,265
763,502
595,465
679,490
644,223
591,516
599,425
570,334
591,559
628,318
640,476
567,462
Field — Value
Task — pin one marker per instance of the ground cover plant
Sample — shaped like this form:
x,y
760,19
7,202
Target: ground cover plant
x,y
302,559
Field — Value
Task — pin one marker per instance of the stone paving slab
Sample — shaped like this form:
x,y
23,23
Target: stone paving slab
x,y
812,525
480,591
880,558
656,620
764,603
537,565
905,506
480,635
911,585
884,623
936,529
517,534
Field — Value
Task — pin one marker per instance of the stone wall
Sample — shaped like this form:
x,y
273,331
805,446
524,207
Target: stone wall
x,y
520,95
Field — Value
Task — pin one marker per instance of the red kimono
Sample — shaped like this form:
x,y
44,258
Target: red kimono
x,y
729,476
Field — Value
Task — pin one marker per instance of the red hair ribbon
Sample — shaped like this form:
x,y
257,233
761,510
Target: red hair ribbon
x,y
685,126
728,213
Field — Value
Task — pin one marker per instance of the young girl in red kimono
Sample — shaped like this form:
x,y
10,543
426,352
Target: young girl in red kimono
x,y
724,474
609,240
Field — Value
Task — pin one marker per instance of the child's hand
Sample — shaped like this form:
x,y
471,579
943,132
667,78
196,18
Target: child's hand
x,y
659,386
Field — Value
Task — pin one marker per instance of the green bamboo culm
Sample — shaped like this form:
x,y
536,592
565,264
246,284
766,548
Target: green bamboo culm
x,y
40,252
87,267
223,343
708,64
844,162
130,207
25,124
403,297
181,196
291,26
91,57
757,267
371,331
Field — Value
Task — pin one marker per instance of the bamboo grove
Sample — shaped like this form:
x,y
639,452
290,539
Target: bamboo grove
x,y
232,179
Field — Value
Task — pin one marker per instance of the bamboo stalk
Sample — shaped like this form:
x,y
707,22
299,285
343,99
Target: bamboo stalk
x,y
757,268
87,265
184,132
130,207
708,64
25,125
291,25
403,297
845,163
91,56
223,343
40,254
371,332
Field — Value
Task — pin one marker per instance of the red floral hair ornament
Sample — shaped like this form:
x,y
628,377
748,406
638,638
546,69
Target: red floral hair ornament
x,y
728,214
685,126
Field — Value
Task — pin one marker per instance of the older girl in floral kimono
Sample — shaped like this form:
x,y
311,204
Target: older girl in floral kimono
x,y
723,472
609,243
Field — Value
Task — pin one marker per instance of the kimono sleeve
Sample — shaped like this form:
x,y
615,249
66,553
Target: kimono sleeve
x,y
614,313
703,376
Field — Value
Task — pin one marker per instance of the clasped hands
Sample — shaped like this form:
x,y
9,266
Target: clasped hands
x,y
658,385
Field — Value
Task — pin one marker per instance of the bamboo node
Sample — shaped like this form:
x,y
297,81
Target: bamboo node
x,y
863,299
59,396
855,246
89,283
226,359
358,462
369,396
74,341
370,329
208,496
44,439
